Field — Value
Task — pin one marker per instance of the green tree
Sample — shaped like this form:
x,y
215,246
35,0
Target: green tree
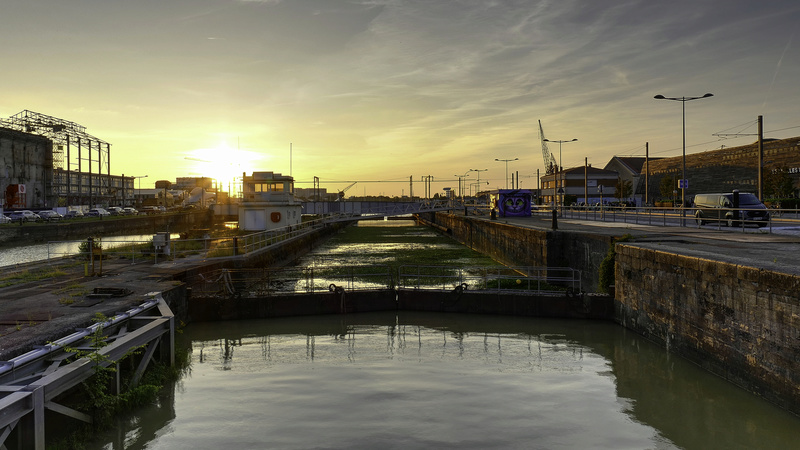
x,y
624,189
667,186
778,183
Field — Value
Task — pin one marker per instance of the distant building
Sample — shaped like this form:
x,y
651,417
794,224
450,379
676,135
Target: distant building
x,y
725,169
47,162
578,183
629,169
268,202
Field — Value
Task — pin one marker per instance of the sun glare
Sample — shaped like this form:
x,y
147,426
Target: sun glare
x,y
224,164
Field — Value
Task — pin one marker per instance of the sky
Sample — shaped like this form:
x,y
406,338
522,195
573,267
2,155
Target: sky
x,y
377,91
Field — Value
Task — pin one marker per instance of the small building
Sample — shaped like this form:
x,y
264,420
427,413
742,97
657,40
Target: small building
x,y
268,202
578,183
512,202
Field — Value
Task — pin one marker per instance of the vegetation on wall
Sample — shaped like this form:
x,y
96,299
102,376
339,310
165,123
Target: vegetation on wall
x,y
606,277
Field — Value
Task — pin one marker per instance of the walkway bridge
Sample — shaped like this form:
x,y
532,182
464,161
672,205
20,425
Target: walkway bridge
x,y
361,210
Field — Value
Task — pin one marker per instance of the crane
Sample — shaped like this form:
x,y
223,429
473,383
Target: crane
x,y
550,164
341,193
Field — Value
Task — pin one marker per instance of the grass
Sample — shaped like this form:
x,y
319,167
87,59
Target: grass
x,y
27,276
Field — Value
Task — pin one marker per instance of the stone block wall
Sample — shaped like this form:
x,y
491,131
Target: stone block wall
x,y
523,246
741,323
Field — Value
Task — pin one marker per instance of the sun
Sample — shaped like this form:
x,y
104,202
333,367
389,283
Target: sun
x,y
223,164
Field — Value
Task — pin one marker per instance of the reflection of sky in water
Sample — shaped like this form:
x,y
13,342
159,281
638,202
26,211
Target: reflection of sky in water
x,y
401,386
39,252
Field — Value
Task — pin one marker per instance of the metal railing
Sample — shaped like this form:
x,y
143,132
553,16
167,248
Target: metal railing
x,y
675,216
292,280
542,280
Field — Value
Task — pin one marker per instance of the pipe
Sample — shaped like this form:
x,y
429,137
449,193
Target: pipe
x,y
74,337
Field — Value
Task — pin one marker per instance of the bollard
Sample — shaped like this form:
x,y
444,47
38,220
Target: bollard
x,y
493,214
555,219
235,246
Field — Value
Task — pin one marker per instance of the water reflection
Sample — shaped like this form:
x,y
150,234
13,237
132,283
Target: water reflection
x,y
10,256
424,380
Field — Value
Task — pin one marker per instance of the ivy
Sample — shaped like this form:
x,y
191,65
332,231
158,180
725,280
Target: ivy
x,y
606,277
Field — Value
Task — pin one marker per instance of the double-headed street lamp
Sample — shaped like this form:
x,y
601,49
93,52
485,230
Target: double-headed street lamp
x,y
506,161
560,163
478,183
461,184
683,183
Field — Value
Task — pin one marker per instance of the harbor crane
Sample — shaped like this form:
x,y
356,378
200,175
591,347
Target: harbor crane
x,y
341,193
550,165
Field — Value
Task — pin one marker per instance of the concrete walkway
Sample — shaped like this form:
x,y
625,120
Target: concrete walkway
x,y
777,252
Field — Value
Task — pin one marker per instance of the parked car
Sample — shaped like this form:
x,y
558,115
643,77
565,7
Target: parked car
x,y
24,216
97,212
73,214
149,210
4,219
115,210
50,215
129,211
720,208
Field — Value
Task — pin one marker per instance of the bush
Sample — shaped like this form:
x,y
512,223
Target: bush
x,y
606,277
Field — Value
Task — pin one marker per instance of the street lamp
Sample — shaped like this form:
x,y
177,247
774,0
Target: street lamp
x,y
683,183
140,188
560,163
506,161
460,185
478,182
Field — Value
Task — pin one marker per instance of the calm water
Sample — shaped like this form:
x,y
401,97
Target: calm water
x,y
10,256
444,381
414,380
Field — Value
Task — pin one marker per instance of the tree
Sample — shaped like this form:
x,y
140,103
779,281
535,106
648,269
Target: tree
x,y
624,188
667,186
778,183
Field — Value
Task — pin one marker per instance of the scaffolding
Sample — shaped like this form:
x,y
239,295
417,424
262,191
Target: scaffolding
x,y
81,162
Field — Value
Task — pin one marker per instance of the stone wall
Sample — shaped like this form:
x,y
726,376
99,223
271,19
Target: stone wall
x,y
741,323
523,246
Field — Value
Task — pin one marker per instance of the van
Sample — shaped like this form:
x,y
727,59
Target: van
x,y
723,208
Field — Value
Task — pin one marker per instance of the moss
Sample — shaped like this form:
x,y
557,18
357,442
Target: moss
x,y
606,277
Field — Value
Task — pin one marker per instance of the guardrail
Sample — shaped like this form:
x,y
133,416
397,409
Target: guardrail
x,y
274,281
669,216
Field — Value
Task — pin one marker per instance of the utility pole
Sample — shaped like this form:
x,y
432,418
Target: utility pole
x,y
760,157
646,173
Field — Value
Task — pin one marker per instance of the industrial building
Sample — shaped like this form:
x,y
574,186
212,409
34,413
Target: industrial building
x,y
49,162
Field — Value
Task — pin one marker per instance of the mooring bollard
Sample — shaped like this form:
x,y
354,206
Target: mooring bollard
x,y
555,219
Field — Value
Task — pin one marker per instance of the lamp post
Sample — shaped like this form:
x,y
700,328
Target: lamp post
x,y
462,183
506,161
560,163
140,188
478,182
683,183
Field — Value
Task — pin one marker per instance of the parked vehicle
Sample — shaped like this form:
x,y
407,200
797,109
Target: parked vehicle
x,y
722,208
115,210
149,210
73,214
129,211
97,212
4,219
24,216
50,215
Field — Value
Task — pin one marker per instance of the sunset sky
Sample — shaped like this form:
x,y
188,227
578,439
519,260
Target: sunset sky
x,y
376,91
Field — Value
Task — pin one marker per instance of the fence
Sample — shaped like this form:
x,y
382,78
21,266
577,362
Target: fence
x,y
274,281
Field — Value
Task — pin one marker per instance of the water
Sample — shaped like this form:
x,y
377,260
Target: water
x,y
10,256
425,380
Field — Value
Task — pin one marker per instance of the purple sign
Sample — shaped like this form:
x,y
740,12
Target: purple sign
x,y
514,203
